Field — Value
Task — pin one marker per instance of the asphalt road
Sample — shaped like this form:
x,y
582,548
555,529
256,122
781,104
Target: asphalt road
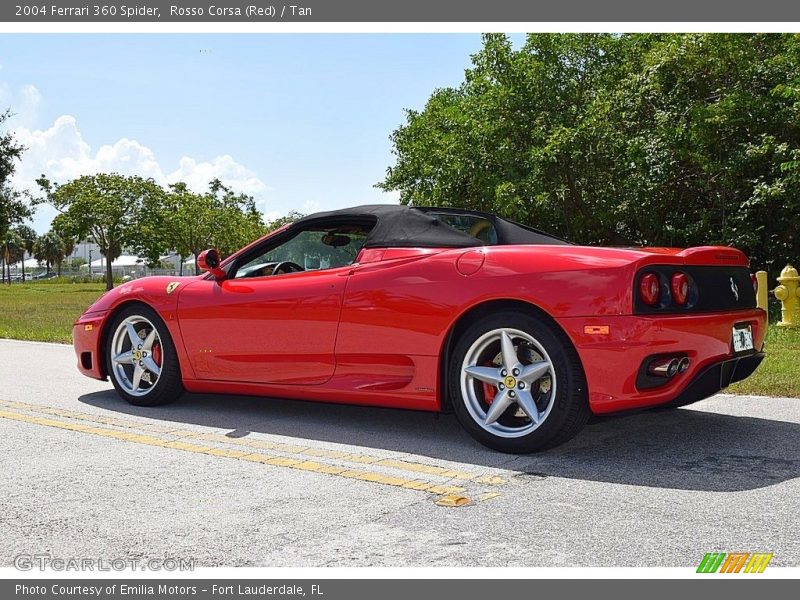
x,y
238,481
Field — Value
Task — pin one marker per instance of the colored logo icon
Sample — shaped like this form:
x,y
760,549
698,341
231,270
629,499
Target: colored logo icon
x,y
735,562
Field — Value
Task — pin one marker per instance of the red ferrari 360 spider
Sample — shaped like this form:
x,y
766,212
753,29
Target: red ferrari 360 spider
x,y
521,334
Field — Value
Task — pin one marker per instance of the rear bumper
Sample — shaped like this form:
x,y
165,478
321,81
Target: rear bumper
x,y
717,377
611,359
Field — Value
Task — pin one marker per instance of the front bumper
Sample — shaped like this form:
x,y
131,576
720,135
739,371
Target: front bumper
x,y
87,340
611,359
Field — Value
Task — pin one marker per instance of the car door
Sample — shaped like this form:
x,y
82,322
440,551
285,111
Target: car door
x,y
279,329
257,327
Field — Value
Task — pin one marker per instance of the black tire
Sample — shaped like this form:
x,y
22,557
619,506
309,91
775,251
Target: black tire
x,y
569,410
168,387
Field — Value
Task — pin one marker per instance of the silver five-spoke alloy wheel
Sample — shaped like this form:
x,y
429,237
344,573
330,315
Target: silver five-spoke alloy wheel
x,y
508,383
136,355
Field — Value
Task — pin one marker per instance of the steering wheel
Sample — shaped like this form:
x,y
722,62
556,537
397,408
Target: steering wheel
x,y
289,266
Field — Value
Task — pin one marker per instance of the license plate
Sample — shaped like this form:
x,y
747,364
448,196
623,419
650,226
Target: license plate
x,y
742,338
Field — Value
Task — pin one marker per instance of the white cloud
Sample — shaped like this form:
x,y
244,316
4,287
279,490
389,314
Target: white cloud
x,y
61,153
197,175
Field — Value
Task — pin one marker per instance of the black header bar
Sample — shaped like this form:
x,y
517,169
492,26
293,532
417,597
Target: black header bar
x,y
364,11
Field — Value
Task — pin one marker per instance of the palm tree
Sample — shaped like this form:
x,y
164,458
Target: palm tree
x,y
67,246
28,236
49,248
11,245
61,227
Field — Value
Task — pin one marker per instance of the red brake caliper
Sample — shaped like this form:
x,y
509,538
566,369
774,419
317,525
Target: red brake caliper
x,y
157,354
489,390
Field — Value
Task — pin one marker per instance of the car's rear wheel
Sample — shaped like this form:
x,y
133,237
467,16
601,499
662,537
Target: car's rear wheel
x,y
517,384
141,357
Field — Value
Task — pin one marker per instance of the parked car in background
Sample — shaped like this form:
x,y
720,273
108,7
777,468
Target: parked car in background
x,y
41,276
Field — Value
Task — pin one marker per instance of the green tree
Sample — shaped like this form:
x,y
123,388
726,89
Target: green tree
x,y
242,228
521,136
149,229
10,151
189,223
240,220
28,237
219,218
61,227
49,249
107,209
13,208
715,132
654,139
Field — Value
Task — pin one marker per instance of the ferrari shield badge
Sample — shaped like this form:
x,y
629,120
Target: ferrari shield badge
x,y
172,286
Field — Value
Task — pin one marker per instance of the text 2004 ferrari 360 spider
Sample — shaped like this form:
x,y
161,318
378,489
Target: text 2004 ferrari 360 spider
x,y
522,334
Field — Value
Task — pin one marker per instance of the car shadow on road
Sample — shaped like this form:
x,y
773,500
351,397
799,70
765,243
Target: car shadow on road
x,y
679,449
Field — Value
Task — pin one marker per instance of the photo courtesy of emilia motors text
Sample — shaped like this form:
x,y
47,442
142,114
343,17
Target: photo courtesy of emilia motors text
x,y
349,299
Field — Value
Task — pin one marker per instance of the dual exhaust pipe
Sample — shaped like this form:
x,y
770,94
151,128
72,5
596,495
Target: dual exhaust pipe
x,y
668,367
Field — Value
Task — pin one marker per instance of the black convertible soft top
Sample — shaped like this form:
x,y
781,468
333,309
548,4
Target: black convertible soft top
x,y
399,226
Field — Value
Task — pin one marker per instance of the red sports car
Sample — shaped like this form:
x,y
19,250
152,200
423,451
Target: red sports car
x,y
523,335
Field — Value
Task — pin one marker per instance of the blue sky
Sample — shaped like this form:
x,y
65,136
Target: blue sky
x,y
301,121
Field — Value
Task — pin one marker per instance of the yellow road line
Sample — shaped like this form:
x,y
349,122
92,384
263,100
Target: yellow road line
x,y
293,449
281,461
488,496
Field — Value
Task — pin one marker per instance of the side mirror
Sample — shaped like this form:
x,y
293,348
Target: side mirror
x,y
208,260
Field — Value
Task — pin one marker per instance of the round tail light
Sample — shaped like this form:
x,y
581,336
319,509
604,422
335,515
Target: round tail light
x,y
680,288
649,288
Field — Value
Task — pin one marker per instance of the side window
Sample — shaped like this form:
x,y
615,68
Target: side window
x,y
473,225
309,250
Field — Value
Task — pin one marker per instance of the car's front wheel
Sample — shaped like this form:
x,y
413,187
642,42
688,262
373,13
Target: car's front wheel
x,y
517,384
141,357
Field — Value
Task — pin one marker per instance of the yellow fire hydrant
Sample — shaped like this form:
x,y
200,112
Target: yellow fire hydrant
x,y
788,292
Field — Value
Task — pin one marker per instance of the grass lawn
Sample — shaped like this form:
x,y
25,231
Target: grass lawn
x,y
779,374
46,311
